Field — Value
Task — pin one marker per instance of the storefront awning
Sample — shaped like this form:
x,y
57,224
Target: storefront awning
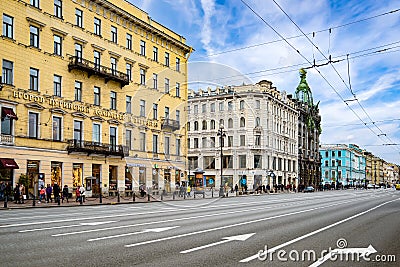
x,y
9,163
8,112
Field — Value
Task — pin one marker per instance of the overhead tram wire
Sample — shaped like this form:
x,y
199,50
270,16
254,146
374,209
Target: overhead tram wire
x,y
333,88
329,61
301,35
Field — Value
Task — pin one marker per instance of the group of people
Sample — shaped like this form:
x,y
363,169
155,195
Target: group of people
x,y
45,193
19,193
5,190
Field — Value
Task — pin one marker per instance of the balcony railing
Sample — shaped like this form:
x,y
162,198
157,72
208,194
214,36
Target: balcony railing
x,y
6,139
95,69
169,124
90,148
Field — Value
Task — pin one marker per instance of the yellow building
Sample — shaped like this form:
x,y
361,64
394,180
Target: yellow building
x,y
92,90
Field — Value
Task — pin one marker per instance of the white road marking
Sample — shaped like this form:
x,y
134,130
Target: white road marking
x,y
96,223
225,240
154,230
255,256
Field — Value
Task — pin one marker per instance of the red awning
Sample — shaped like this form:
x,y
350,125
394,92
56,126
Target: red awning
x,y
9,164
8,112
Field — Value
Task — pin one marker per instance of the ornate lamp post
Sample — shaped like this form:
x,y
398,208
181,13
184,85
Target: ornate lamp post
x,y
221,135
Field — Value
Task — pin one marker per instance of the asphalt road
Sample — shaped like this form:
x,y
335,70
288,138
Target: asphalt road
x,y
332,228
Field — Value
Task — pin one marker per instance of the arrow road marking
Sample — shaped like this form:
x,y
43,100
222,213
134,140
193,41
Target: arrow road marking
x,y
225,240
361,252
152,230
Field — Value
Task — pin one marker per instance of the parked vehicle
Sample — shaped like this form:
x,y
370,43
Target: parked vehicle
x,y
309,189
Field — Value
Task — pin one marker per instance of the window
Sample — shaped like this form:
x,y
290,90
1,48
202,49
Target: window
x,y
129,71
97,26
155,111
178,64
78,91
339,153
142,108
155,82
142,48
142,77
155,143
209,163
79,18
230,123
33,125
178,147
113,61
167,59
128,104
203,108
242,140
155,53
96,133
8,72
242,122
129,41
230,106
34,79
57,45
212,125
230,141
142,141
196,125
257,140
196,109
6,121
258,121
178,116
96,91
166,113
178,90
114,34
221,106
58,8
57,85
8,25
113,138
166,145
78,52
35,3
113,100
34,36
128,139
258,104
227,162
221,122
57,128
196,143
212,107
241,104
204,125
242,161
166,86
97,58
212,141
257,162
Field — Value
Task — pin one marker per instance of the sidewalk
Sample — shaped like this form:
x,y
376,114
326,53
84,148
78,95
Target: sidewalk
x,y
113,200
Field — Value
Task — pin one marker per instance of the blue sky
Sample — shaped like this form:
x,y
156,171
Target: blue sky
x,y
234,46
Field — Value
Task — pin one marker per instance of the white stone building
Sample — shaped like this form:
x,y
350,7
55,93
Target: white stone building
x,y
260,136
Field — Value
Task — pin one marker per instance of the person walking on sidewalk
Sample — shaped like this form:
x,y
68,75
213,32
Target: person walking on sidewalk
x,y
65,193
78,194
188,190
82,191
42,194
17,194
56,192
49,190
22,193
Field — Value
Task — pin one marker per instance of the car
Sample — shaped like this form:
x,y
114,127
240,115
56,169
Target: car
x,y
308,189
397,186
372,186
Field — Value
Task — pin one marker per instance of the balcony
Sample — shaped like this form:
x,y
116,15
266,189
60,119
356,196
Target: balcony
x,y
6,139
90,148
169,124
94,69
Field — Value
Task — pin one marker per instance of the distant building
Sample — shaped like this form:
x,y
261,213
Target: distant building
x,y
259,125
343,165
309,130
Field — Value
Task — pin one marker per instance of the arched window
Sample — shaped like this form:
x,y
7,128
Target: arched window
x,y
242,122
204,125
221,122
230,105
241,104
196,125
212,125
230,123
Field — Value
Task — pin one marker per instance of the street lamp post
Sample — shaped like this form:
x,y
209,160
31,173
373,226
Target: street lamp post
x,y
221,135
337,174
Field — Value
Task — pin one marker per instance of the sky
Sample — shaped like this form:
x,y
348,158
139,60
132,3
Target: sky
x,y
245,41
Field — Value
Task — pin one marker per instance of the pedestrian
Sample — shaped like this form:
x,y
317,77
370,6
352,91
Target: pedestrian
x,y
42,195
188,190
2,190
56,192
78,194
49,190
22,193
236,188
82,191
65,193
17,194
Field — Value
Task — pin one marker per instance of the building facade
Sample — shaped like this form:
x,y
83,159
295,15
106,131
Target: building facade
x,y
93,92
251,130
309,132
343,165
